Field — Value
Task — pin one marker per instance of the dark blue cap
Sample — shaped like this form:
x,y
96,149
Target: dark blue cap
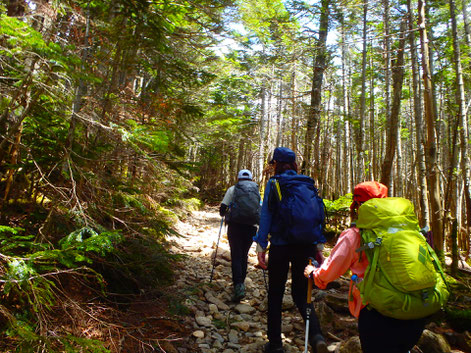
x,y
284,155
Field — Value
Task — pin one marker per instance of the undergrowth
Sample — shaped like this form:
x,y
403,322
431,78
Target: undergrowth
x,y
57,264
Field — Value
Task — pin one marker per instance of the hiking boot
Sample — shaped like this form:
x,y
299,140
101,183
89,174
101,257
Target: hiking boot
x,y
318,344
268,348
239,292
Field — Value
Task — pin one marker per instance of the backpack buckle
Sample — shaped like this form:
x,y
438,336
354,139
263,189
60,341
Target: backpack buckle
x,y
370,245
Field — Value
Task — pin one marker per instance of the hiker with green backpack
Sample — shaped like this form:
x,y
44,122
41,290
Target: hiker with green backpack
x,y
241,207
292,221
397,280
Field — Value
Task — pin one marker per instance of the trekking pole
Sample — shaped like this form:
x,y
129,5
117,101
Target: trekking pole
x,y
216,251
309,301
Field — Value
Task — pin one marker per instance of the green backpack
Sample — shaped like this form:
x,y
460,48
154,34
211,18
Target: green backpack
x,y
404,279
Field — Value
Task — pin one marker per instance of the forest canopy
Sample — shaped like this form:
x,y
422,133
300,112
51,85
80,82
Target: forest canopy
x,y
117,117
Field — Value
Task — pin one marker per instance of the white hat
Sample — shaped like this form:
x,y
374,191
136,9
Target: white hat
x,y
244,174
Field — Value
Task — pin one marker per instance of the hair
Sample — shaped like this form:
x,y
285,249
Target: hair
x,y
354,210
281,167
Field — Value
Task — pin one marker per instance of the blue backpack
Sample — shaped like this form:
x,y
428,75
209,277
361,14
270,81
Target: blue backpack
x,y
298,209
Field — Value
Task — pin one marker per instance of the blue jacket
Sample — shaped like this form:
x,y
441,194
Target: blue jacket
x,y
267,224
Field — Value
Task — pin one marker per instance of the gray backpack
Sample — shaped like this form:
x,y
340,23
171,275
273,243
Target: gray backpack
x,y
245,205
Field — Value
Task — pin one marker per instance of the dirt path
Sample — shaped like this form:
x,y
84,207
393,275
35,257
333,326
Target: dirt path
x,y
220,325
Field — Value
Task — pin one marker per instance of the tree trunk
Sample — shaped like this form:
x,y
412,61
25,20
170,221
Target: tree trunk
x,y
419,124
279,130
462,120
387,68
433,179
393,121
316,96
373,150
262,149
361,125
294,125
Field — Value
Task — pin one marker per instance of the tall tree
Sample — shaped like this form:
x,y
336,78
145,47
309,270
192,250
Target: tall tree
x,y
462,119
433,179
418,118
319,66
394,117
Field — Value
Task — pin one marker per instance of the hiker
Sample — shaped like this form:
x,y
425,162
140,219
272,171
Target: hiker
x,y
378,333
285,248
241,207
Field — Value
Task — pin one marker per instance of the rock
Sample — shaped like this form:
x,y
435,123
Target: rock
x,y
213,308
287,328
198,334
337,301
241,325
333,347
325,315
234,345
288,303
233,336
202,320
218,337
432,342
244,308
218,302
249,283
352,345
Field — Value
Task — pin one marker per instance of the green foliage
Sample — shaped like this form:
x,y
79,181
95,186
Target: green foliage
x,y
192,204
29,341
74,344
86,240
268,20
28,277
342,204
145,261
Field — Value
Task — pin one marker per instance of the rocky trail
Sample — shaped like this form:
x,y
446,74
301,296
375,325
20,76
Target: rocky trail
x,y
216,324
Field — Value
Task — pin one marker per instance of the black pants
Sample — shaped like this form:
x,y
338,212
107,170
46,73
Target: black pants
x,y
379,333
240,240
280,258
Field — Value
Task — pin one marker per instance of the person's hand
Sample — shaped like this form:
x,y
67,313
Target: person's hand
x,y
261,260
222,210
308,270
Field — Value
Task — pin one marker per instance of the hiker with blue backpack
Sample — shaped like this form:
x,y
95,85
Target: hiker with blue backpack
x,y
292,221
397,281
241,208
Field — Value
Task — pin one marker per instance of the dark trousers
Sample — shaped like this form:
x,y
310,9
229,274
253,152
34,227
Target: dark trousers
x,y
379,333
240,240
280,258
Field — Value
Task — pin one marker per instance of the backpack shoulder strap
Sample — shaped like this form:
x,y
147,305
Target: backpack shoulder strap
x,y
436,263
369,276
275,188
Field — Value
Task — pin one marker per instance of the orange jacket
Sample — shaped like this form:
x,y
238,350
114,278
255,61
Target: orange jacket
x,y
343,257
